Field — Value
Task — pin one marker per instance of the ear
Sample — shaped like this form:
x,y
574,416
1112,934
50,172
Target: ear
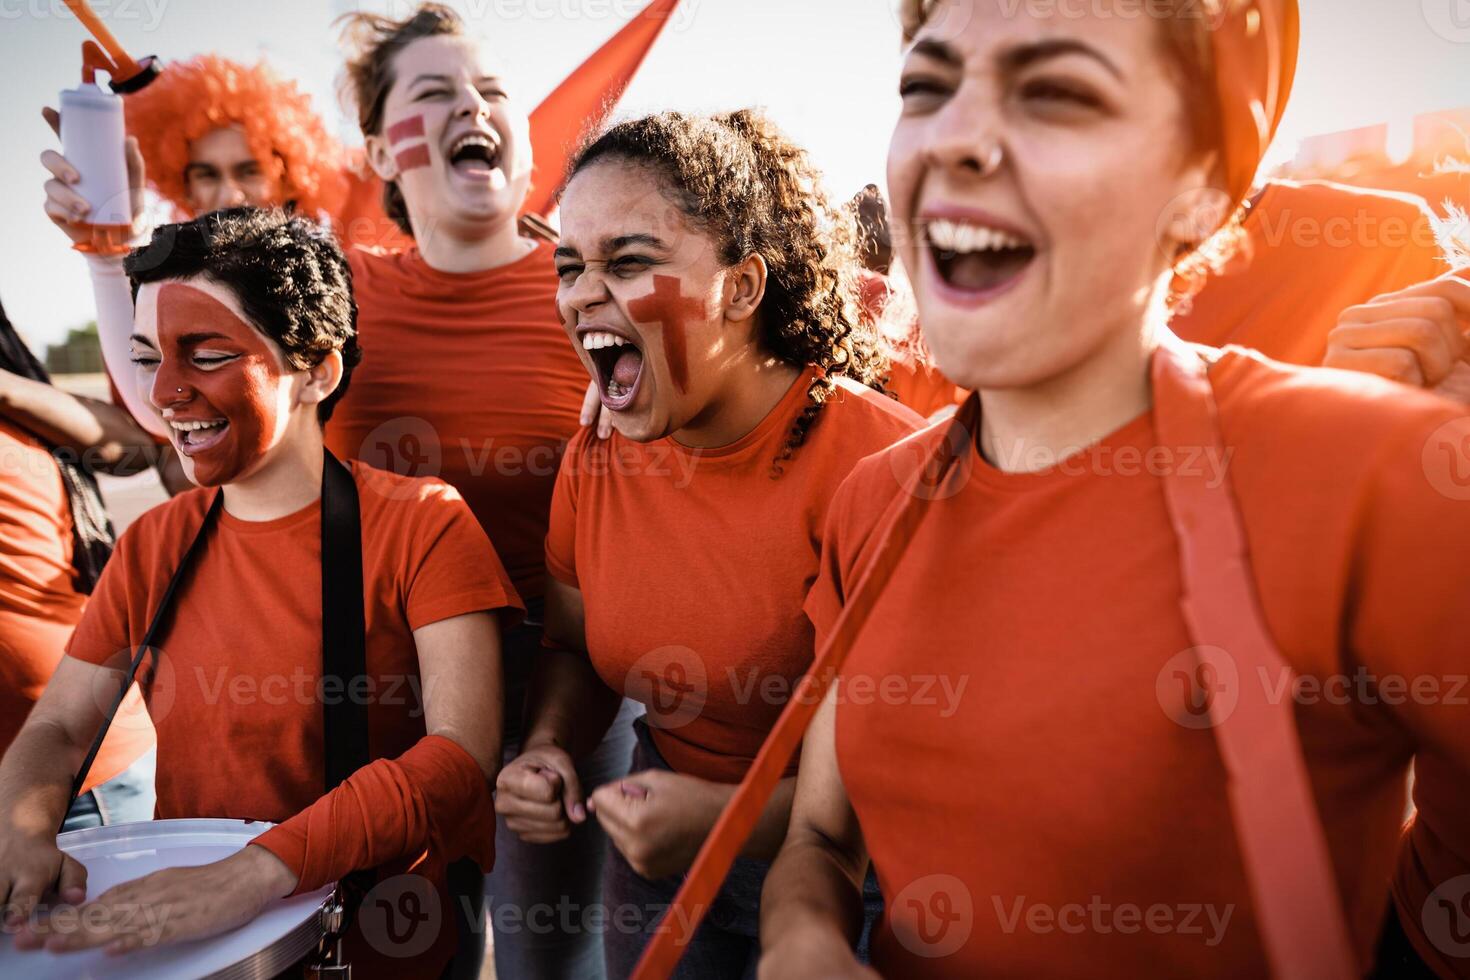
x,y
321,380
380,158
745,288
1199,208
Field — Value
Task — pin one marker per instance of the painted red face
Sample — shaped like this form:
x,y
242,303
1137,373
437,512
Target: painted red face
x,y
219,373
672,311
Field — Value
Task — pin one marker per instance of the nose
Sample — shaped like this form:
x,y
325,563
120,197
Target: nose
x,y
231,194
588,294
472,104
966,136
170,389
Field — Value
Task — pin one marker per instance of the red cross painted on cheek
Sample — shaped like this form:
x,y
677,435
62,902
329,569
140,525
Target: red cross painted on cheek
x,y
673,312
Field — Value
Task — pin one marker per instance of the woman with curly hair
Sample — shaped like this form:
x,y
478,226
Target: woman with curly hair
x,y
706,281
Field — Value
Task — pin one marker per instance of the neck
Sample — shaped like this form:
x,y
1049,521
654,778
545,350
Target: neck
x,y
289,480
450,250
1037,427
757,384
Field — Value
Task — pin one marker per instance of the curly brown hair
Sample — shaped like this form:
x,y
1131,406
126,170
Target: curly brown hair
x,y
373,42
739,179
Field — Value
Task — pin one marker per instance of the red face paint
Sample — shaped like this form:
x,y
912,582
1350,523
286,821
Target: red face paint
x,y
410,127
414,156
666,307
194,327
405,129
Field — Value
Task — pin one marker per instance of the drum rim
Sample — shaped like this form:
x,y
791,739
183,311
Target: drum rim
x,y
266,962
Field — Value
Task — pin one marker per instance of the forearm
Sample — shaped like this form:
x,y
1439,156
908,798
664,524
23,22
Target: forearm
x,y
102,435
770,833
815,886
568,704
114,301
433,798
36,777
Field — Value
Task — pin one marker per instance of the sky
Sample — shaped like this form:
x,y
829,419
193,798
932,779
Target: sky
x,y
825,70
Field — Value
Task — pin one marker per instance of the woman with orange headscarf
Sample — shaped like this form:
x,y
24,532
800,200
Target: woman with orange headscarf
x,y
1202,610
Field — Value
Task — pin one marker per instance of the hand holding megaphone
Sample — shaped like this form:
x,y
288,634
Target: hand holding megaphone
x,y
69,210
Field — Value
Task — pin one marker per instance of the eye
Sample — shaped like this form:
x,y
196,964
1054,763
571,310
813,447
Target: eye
x,y
208,361
493,95
921,88
144,360
431,93
568,274
629,265
1059,93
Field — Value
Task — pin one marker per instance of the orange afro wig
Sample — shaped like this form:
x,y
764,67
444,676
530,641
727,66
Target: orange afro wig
x,y
208,92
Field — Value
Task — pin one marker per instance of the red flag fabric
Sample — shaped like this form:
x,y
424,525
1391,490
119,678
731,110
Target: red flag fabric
x,y
581,103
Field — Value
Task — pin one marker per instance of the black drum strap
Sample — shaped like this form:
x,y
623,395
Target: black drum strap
x,y
344,632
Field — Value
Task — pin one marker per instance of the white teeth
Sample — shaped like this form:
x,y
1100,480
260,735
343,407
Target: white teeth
x,y
598,339
472,139
955,236
196,426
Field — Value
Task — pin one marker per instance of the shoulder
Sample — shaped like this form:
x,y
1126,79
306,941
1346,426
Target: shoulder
x,y
1327,199
1305,423
390,498
866,420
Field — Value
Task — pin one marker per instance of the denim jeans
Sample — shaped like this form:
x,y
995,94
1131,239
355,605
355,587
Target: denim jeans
x,y
127,797
727,944
543,899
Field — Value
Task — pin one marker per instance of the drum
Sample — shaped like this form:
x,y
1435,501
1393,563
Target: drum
x,y
283,935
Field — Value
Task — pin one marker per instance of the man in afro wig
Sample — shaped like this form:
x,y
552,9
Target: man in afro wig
x,y
299,163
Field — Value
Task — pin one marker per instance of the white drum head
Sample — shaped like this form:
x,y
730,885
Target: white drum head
x,y
281,935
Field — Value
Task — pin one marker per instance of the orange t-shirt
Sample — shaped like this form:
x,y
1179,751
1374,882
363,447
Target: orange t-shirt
x,y
237,698
39,607
693,565
1030,807
1312,251
471,379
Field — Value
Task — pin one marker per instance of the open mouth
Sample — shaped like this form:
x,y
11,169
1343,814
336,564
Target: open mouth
x,y
474,155
976,259
619,364
197,435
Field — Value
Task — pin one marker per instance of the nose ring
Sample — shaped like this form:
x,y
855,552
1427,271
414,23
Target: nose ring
x,y
993,160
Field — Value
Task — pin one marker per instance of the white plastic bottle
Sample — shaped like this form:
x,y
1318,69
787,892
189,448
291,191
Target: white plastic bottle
x,y
93,140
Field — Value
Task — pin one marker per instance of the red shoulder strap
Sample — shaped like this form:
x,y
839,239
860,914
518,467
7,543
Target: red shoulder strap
x,y
1298,907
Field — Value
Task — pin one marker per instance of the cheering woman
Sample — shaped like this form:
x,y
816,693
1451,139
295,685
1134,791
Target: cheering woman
x,y
1211,607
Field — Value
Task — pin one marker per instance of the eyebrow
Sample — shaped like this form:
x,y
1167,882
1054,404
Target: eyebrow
x,y
446,80
614,244
1019,57
185,340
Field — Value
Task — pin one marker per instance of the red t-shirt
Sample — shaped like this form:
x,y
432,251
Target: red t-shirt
x,y
471,379
1312,251
693,565
1029,805
39,607
237,698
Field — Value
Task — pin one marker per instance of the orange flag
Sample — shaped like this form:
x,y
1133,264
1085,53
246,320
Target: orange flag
x,y
584,100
